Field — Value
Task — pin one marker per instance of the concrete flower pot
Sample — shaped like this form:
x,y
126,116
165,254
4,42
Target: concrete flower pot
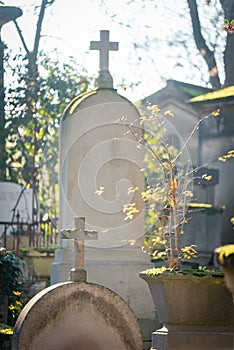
x,y
196,312
38,265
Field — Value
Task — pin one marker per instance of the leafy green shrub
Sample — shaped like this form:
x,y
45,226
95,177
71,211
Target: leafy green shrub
x,y
4,329
10,283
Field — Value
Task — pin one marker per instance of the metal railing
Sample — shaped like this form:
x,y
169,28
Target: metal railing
x,y
18,235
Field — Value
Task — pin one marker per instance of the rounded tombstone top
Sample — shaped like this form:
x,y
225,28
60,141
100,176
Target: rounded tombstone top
x,y
94,98
77,315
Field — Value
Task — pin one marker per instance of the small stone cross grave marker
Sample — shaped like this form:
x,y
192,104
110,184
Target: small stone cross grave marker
x,y
79,235
104,46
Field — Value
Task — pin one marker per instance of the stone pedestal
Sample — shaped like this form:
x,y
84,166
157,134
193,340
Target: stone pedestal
x,y
117,269
78,275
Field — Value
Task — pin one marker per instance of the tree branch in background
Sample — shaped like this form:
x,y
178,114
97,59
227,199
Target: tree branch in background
x,y
204,50
31,95
39,26
228,8
21,37
49,3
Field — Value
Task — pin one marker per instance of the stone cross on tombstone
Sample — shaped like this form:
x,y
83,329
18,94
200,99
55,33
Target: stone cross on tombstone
x,y
78,234
104,79
104,46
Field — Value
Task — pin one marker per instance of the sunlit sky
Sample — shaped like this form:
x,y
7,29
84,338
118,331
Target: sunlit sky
x,y
70,25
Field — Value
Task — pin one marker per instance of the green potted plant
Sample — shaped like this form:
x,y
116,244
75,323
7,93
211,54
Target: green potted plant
x,y
189,302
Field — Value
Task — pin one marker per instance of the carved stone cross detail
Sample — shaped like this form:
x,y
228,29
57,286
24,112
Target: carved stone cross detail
x,y
78,234
104,46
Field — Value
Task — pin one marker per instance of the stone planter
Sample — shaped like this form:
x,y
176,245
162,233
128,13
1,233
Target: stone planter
x,y
38,265
16,243
224,257
196,312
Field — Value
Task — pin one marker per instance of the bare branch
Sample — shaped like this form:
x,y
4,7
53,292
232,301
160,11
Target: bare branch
x,y
39,27
21,37
49,3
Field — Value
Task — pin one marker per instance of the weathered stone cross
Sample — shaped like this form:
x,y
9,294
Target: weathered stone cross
x,y
104,46
78,234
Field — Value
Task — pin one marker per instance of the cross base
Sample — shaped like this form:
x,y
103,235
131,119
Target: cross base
x,y
78,275
104,80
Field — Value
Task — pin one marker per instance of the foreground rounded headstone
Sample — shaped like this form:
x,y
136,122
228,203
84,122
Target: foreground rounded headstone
x,y
77,316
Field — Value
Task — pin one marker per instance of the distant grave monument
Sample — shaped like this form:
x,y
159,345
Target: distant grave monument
x,y
100,171
15,210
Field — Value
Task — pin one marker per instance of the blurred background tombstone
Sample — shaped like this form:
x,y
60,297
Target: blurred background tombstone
x,y
16,214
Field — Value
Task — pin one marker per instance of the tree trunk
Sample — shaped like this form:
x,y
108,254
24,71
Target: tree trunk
x,y
206,53
228,8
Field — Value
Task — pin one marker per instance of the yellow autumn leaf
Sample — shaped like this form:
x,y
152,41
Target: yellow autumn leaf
x,y
16,292
145,195
130,209
153,108
207,177
225,251
104,231
132,190
100,191
188,194
129,216
169,113
216,112
131,241
40,134
221,159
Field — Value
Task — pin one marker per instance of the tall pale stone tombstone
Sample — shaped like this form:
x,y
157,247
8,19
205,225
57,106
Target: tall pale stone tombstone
x,y
100,160
101,171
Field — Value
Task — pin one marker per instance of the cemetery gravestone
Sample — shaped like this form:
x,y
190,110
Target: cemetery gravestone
x,y
77,316
66,315
100,166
